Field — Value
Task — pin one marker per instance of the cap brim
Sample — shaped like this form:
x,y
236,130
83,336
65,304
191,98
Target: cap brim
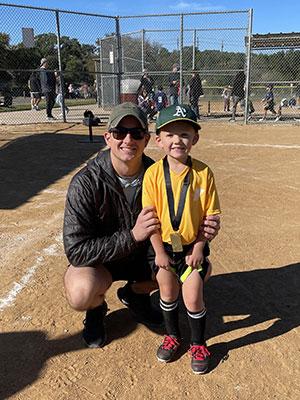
x,y
188,120
119,119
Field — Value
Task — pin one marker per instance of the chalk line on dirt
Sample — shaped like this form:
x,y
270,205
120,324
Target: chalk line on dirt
x,y
9,300
274,146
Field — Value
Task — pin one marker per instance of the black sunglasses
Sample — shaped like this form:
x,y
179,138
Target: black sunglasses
x,y
121,133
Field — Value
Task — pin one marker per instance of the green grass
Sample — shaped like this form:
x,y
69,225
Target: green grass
x,y
42,105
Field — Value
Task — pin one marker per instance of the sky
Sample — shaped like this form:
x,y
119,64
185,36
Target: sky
x,y
268,16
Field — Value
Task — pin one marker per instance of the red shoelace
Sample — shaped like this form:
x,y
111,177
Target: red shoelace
x,y
169,342
199,352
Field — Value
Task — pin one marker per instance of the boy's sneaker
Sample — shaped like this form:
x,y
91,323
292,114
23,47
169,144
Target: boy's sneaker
x,y
262,119
167,349
278,118
51,119
140,305
232,120
200,358
94,334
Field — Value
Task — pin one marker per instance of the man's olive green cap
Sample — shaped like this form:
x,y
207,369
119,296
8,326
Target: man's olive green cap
x,y
126,109
176,112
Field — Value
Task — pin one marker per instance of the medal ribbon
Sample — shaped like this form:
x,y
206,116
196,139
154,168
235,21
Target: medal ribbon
x,y
176,219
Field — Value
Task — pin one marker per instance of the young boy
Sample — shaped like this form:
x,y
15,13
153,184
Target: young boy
x,y
269,102
182,190
160,101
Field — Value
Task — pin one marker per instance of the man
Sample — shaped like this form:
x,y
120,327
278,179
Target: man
x,y
146,82
195,92
238,93
35,91
48,82
174,83
106,229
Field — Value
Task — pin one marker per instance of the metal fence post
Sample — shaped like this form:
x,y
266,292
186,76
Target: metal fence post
x,y
181,59
143,49
248,66
194,49
119,60
101,75
62,83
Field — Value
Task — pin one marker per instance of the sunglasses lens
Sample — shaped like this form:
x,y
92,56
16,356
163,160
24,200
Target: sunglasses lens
x,y
135,133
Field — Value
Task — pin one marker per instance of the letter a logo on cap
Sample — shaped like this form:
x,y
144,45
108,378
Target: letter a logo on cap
x,y
180,111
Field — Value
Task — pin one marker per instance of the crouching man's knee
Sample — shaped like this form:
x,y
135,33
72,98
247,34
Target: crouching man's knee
x,y
85,286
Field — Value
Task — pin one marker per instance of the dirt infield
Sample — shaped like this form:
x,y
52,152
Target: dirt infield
x,y
252,298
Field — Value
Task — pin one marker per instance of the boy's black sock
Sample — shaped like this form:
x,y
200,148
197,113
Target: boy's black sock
x,y
170,314
197,322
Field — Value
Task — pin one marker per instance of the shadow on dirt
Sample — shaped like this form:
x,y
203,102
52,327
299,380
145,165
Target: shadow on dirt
x,y
250,298
32,163
254,297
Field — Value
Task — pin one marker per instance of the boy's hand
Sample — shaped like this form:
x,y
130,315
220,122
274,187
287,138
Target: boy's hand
x,y
195,257
146,224
162,260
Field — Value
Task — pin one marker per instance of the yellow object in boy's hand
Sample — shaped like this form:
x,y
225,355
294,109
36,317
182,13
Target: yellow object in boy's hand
x,y
188,271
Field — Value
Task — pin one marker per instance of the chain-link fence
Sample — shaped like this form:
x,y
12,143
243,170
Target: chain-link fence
x,y
275,69
102,60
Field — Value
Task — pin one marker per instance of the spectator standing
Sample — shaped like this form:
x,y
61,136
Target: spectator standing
x,y
85,90
226,96
58,91
195,92
174,84
147,83
48,83
71,91
238,93
35,91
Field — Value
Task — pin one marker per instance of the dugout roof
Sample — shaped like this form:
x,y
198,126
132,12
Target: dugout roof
x,y
275,41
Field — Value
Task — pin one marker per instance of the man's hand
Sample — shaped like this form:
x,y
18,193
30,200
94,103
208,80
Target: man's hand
x,y
210,226
146,224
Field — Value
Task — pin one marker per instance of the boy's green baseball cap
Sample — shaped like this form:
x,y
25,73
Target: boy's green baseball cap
x,y
176,112
126,109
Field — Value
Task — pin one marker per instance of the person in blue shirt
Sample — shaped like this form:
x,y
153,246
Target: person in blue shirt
x,y
159,102
269,102
160,99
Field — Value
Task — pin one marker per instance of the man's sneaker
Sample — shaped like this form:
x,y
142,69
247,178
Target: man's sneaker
x,y
94,334
37,108
249,117
232,120
200,359
167,349
262,119
51,119
278,118
140,305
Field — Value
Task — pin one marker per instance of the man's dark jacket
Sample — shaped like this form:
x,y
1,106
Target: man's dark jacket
x,y
238,85
147,82
98,219
195,87
48,80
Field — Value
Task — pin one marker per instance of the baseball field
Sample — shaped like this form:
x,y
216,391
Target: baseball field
x,y
252,298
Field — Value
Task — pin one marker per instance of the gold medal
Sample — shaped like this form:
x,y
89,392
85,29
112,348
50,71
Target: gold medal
x,y
176,242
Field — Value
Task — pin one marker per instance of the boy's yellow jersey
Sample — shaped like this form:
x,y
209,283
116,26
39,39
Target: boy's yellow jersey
x,y
201,199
